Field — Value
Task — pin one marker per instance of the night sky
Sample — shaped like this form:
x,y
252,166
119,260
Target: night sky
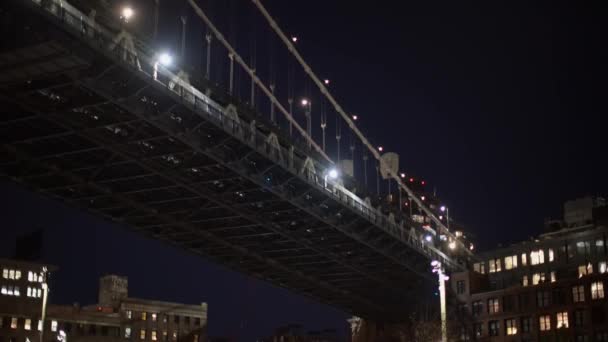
x,y
501,108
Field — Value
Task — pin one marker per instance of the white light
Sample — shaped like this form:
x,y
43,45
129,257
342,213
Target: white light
x,y
471,247
423,198
428,238
355,117
380,148
326,81
402,175
294,39
305,102
165,59
458,233
435,263
127,13
442,208
440,217
452,245
333,173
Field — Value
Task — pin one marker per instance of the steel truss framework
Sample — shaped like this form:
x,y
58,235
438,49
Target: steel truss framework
x,y
79,125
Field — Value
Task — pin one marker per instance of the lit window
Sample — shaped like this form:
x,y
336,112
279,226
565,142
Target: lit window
x,y
29,291
524,259
164,335
129,314
537,257
144,316
128,332
584,270
538,278
494,265
142,334
11,274
493,305
551,255
562,319
153,335
599,246
510,262
53,326
578,293
479,267
17,275
5,273
524,281
511,326
601,267
583,248
28,324
153,317
14,322
553,277
4,290
39,325
195,337
544,323
174,336
30,276
16,291
597,290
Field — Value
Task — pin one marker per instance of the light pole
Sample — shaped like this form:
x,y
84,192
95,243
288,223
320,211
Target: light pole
x,y
447,215
307,104
164,59
438,268
45,296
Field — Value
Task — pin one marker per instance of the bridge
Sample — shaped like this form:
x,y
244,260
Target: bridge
x,y
96,118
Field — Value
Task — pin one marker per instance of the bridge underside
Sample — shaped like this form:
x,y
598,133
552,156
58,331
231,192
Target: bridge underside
x,y
77,127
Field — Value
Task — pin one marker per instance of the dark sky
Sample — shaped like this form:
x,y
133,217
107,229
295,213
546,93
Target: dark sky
x,y
499,107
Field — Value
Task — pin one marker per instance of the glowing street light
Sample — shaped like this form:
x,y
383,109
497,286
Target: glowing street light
x,y
294,39
402,175
127,13
452,245
380,148
165,59
326,81
355,117
333,174
428,238
305,102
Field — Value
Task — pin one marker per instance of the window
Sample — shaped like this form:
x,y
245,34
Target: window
x,y
479,267
583,248
511,262
129,314
599,246
176,319
584,270
34,292
597,290
507,303
478,329
578,293
553,277
460,288
5,273
153,335
128,332
464,336
524,281
494,265
582,338
197,320
142,334
461,309
165,318
601,337
601,267
511,326
524,259
28,324
53,326
154,317
537,257
477,308
544,323
579,318
34,277
144,316
525,324
551,255
493,305
538,278
493,328
543,298
14,322
39,325
174,336
187,320
165,335
562,320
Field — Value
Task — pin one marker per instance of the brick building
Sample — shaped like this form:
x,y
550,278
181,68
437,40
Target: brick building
x,y
116,317
552,288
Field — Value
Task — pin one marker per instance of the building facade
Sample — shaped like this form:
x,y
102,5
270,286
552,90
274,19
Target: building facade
x,y
552,288
116,317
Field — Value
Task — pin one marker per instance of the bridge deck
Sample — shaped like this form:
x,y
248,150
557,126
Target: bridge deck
x,y
89,126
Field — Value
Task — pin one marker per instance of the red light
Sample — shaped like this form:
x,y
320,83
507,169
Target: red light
x,y
411,180
423,182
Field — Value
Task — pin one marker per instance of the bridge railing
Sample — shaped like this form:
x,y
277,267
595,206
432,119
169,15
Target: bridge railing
x,y
296,161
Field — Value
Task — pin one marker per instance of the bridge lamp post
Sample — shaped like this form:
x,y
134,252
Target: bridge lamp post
x,y
447,214
438,268
307,104
164,59
126,14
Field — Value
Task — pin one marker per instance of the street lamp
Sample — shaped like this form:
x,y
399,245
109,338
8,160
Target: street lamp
x,y
333,173
447,214
326,81
127,13
164,59
438,268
